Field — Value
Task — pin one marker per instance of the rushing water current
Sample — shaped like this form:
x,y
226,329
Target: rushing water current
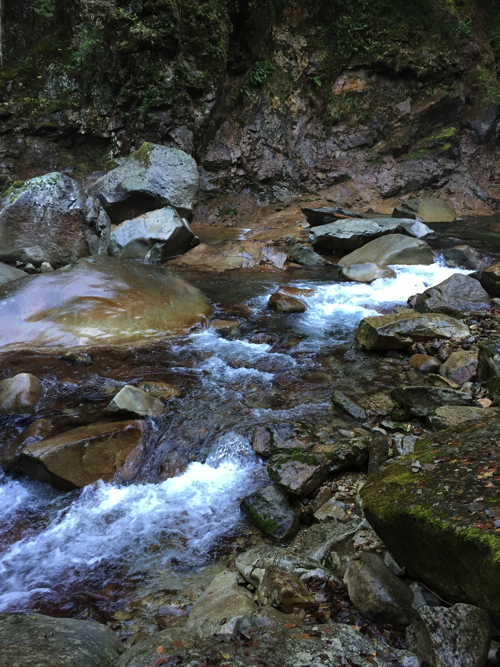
x,y
54,545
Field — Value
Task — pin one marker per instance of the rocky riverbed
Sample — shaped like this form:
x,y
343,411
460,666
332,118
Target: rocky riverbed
x,y
269,443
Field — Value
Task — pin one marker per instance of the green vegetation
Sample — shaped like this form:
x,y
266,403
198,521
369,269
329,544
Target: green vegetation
x,y
260,72
45,8
268,525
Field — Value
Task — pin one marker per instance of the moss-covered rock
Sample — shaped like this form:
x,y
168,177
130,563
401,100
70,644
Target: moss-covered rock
x,y
436,509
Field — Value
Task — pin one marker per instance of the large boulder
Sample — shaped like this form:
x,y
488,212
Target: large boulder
x,y
437,511
153,236
347,235
98,301
427,209
29,640
421,400
20,394
391,249
401,330
366,273
269,510
84,455
463,256
456,296
151,178
51,219
229,255
490,279
8,273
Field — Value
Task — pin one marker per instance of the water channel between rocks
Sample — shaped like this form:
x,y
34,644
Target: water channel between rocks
x,y
99,550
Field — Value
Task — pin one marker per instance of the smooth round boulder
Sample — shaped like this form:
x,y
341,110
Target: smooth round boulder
x,y
377,592
98,301
391,250
285,303
366,273
20,394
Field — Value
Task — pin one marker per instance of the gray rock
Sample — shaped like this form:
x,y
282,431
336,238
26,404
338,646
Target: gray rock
x,y
448,637
304,255
488,360
460,367
29,640
417,229
403,444
269,510
135,401
8,273
252,564
421,400
298,473
345,405
332,510
449,415
153,177
51,219
456,296
348,235
463,256
153,236
366,273
389,250
379,452
428,209
377,592
320,540
490,279
323,216
20,394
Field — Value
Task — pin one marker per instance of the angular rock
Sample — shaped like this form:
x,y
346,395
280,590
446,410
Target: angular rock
x,y
51,219
460,367
377,592
488,360
400,330
320,540
304,255
437,518
29,640
221,609
428,209
416,228
285,303
403,444
379,452
225,327
269,510
348,235
230,255
323,216
389,250
332,510
449,415
456,296
434,380
421,400
276,438
135,401
153,177
366,273
153,236
36,431
464,257
98,301
20,394
490,279
345,405
345,453
445,637
298,472
285,591
252,564
424,363
84,455
8,273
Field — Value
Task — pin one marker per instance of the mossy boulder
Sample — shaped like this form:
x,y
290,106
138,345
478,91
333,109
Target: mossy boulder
x,y
269,510
437,511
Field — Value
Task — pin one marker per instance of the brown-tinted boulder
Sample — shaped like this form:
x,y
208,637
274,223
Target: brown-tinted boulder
x,y
20,394
428,209
285,303
84,455
36,431
284,590
424,363
229,255
98,301
456,296
391,249
490,279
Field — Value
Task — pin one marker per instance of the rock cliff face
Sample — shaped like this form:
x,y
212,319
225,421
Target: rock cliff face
x,y
367,101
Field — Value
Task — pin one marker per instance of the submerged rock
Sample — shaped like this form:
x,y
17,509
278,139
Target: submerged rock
x,y
457,296
84,455
8,273
377,592
153,236
98,301
135,401
464,257
20,394
450,636
366,273
269,510
151,178
29,640
391,249
449,415
428,209
51,219
436,509
421,400
401,330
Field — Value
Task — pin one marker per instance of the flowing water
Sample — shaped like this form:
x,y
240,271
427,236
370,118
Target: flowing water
x,y
96,550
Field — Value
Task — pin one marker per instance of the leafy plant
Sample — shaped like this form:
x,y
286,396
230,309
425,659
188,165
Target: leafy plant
x,y
463,29
45,8
314,79
260,72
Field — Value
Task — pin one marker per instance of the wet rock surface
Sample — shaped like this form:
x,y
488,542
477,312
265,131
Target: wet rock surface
x,y
20,394
391,249
456,296
366,273
269,510
347,235
421,400
464,257
135,401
